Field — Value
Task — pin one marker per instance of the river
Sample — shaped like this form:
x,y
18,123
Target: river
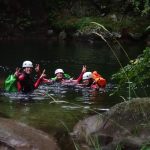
x,y
41,109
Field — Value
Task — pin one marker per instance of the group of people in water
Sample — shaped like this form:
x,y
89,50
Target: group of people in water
x,y
26,84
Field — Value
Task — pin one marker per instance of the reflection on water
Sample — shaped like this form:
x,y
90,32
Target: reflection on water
x,y
70,56
60,92
50,105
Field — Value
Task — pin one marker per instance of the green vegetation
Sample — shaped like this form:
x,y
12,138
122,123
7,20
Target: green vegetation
x,y
146,146
30,15
63,15
133,24
137,72
143,7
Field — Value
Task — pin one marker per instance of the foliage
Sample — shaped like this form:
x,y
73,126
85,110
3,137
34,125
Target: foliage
x,y
23,23
145,146
137,72
27,15
142,7
72,22
77,23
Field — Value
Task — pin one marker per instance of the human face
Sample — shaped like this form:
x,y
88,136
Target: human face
x,y
28,70
59,76
86,82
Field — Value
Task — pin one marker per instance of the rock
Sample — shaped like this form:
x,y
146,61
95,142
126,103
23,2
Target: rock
x,y
84,128
18,136
135,36
126,124
116,34
113,17
77,34
50,32
62,35
148,40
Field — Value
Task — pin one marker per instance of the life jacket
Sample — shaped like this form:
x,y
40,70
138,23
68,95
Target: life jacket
x,y
99,79
10,84
66,76
27,84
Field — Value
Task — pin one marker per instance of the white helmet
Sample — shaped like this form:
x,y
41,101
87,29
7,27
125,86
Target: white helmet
x,y
87,75
59,71
27,64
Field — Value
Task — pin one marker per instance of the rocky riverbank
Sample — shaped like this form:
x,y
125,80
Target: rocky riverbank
x,y
125,125
18,136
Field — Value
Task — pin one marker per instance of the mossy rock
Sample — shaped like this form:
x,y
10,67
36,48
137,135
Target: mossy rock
x,y
18,136
126,124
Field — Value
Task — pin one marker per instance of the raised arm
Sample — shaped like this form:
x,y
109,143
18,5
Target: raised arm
x,y
81,74
39,80
37,70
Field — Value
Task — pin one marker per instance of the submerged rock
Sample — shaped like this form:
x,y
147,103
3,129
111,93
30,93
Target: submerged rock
x,y
18,136
126,124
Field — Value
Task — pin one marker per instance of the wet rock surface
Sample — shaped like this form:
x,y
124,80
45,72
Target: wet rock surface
x,y
126,125
18,136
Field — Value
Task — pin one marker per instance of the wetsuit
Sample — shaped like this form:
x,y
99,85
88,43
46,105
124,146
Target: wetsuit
x,y
64,80
26,84
91,84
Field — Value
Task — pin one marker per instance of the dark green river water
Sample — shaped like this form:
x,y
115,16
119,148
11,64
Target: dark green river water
x,y
40,110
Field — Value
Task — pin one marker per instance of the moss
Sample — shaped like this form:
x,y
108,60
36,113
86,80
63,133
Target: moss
x,y
133,24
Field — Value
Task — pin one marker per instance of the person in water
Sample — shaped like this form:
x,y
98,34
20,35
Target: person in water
x,y
88,81
93,80
60,75
25,82
63,78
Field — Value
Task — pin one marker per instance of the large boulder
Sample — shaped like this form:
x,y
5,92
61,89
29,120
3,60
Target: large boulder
x,y
18,136
126,124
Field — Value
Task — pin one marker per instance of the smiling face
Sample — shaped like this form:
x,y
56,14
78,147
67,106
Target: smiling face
x,y
86,82
59,76
28,70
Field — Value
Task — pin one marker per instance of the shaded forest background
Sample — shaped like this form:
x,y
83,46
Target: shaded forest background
x,y
23,18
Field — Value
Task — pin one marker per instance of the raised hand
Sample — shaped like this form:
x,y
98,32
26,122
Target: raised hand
x,y
43,74
37,68
84,68
17,72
